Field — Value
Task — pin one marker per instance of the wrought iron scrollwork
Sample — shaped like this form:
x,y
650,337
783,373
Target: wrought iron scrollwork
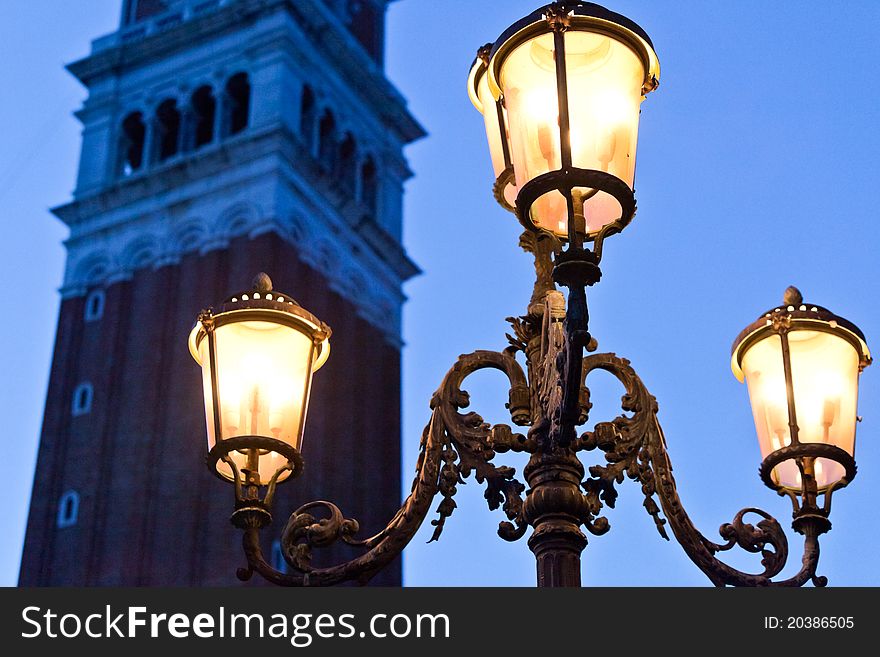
x,y
636,447
559,500
454,446
471,444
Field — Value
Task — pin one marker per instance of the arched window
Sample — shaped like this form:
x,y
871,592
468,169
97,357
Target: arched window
x,y
82,399
327,140
168,128
68,509
347,171
369,186
94,306
138,10
131,144
307,118
278,561
238,100
204,108
366,25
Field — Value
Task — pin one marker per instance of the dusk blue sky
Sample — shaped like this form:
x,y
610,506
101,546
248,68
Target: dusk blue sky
x,y
757,169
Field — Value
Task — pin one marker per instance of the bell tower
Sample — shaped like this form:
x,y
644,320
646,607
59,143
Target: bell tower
x,y
220,138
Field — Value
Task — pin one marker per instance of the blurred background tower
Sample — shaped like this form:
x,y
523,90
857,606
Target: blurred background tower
x,y
220,138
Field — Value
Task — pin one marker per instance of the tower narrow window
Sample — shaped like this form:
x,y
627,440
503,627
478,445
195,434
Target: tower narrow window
x,y
94,306
68,509
131,144
204,108
138,10
278,562
307,118
366,23
327,141
168,126
347,170
369,186
82,399
238,100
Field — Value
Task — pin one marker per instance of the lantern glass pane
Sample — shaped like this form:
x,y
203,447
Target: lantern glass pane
x,y
264,373
825,370
605,79
528,82
495,133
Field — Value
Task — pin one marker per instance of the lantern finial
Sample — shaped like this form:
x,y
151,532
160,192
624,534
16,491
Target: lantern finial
x,y
262,282
558,16
792,296
483,53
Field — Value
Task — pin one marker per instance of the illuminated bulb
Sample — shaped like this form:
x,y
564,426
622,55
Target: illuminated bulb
x,y
778,420
545,142
276,422
605,148
231,418
830,411
254,410
540,106
230,406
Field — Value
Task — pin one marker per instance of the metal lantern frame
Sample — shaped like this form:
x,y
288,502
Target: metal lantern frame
x,y
557,19
262,304
795,315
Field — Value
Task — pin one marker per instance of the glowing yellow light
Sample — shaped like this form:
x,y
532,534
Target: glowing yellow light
x,y
825,371
606,76
264,371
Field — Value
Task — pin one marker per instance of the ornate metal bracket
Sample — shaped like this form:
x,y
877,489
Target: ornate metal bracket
x,y
635,447
551,398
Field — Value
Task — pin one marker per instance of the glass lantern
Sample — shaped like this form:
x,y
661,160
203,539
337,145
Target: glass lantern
x,y
801,363
258,352
572,77
495,118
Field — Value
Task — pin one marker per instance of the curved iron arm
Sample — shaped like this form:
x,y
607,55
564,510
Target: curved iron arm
x,y
303,531
453,446
636,447
456,445
766,534
552,401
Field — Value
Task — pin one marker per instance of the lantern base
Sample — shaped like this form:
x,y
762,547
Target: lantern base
x,y
563,181
220,451
808,450
815,523
251,514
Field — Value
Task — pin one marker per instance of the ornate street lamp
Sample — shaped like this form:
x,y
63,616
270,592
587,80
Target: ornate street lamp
x,y
802,363
572,77
258,352
560,92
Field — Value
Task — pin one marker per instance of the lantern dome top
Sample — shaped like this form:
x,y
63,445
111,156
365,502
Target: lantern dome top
x,y
262,302
262,295
578,15
576,8
794,314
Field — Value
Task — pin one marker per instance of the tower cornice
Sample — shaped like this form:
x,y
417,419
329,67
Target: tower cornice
x,y
136,45
121,229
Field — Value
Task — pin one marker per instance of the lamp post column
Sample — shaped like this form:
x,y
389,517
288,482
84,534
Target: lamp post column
x,y
555,507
